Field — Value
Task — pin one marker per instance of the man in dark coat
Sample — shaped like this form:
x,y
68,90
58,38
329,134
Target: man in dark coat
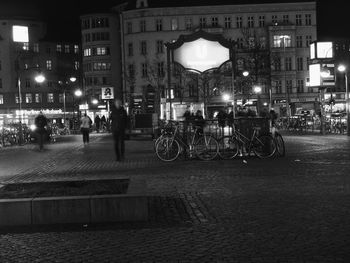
x,y
40,123
97,123
119,122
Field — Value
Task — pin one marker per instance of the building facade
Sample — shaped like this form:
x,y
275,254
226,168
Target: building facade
x,y
272,44
21,60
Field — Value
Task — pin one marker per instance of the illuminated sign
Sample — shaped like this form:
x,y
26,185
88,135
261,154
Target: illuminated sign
x,y
83,107
321,50
201,54
107,93
20,34
321,75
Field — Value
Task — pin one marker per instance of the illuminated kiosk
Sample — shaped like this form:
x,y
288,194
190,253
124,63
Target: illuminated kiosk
x,y
200,53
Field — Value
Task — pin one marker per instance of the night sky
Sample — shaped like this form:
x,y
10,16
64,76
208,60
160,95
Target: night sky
x,y
63,15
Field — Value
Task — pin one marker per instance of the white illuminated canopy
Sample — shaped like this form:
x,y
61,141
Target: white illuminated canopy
x,y
20,34
201,54
324,49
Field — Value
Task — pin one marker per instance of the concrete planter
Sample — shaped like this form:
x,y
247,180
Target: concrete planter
x,y
132,206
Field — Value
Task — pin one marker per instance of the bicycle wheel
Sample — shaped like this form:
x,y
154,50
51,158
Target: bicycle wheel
x,y
228,147
206,148
280,148
264,146
167,149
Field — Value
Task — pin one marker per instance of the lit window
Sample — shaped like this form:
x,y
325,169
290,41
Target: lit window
x,y
26,46
174,24
36,47
59,48
38,98
50,98
1,99
76,49
282,41
76,65
87,52
66,49
48,64
29,98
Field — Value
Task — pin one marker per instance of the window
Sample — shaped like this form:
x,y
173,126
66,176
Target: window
x,y
17,98
288,64
48,50
36,47
274,20
101,66
192,91
144,70
49,83
0,83
300,85
250,21
308,40
285,18
174,24
277,64
59,48
48,64
308,19
214,21
87,37
227,22
76,49
130,49
99,22
100,36
143,47
128,27
261,21
29,98
76,65
27,83
142,25
38,98
1,99
239,23
202,22
87,52
188,23
25,46
159,25
60,98
160,68
160,46
101,51
251,42
240,43
282,41
300,64
298,20
66,49
289,86
50,98
262,42
278,86
131,70
299,41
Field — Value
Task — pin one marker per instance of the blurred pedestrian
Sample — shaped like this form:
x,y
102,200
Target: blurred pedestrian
x,y
97,123
41,124
119,122
103,123
199,121
85,128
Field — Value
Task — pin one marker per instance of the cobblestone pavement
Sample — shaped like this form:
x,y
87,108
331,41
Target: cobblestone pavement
x,y
290,209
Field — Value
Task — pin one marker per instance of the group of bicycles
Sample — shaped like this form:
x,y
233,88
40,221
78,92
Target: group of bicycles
x,y
174,142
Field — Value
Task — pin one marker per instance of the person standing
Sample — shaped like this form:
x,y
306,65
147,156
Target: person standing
x,y
40,123
119,122
85,128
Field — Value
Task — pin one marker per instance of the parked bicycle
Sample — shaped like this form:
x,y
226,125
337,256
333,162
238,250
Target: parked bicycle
x,y
198,144
262,145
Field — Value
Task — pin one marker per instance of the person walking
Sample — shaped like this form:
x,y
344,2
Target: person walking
x,y
97,123
41,123
119,122
85,128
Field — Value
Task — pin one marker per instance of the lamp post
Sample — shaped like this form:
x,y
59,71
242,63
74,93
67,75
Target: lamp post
x,y
342,68
283,40
257,90
40,78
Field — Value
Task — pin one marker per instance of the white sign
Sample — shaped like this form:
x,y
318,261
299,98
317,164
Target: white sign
x,y
20,34
83,107
107,93
201,54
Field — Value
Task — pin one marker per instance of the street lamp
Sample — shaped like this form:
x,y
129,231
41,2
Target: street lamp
x,y
257,90
40,78
342,68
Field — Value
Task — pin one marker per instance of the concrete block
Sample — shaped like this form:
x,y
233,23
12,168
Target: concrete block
x,y
109,208
15,212
59,210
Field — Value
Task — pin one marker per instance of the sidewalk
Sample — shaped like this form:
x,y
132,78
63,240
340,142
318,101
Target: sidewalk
x,y
292,209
